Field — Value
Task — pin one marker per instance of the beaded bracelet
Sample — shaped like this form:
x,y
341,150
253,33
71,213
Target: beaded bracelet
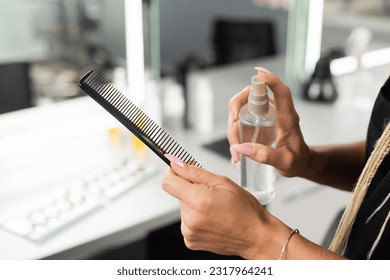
x,y
286,243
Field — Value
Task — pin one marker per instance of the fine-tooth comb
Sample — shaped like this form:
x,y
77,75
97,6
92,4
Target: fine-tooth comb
x,y
133,118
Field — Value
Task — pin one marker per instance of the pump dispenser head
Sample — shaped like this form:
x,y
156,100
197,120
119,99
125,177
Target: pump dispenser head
x,y
258,102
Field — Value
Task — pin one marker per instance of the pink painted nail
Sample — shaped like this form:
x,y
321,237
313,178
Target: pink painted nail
x,y
243,149
262,69
230,119
233,163
175,160
233,152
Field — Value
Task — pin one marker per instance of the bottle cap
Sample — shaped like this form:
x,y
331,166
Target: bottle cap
x,y
258,102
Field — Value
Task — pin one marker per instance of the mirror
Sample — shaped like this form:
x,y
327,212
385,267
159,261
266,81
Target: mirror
x,y
46,45
187,29
341,17
358,31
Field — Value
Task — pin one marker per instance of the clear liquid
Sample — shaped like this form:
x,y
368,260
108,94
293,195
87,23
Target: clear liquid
x,y
259,179
256,177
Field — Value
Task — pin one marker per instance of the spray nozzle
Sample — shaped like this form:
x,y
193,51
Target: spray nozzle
x,y
258,102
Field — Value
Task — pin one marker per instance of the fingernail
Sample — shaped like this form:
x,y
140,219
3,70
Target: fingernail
x,y
232,162
230,119
234,154
243,149
174,160
262,69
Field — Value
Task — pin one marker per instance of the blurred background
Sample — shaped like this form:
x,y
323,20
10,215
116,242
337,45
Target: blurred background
x,y
47,44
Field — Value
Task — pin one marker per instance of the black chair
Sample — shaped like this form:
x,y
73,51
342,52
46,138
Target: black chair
x,y
239,40
15,87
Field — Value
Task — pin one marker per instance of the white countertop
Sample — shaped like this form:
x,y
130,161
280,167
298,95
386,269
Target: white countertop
x,y
43,148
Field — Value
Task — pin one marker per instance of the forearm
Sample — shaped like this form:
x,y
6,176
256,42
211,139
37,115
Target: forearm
x,y
338,166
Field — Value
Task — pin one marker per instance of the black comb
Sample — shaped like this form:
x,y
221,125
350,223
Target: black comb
x,y
133,118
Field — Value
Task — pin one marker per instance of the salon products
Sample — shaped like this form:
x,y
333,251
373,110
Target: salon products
x,y
201,105
133,118
173,105
257,124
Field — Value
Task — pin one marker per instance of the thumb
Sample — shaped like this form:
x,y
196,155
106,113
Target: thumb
x,y
258,152
189,172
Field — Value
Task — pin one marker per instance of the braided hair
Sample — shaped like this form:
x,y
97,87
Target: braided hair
x,y
340,239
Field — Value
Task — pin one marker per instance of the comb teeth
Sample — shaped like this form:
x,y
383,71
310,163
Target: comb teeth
x,y
133,118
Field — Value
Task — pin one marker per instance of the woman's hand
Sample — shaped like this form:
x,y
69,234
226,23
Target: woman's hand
x,y
291,156
219,216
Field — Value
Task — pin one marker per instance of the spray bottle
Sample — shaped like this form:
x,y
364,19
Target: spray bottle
x,y
257,124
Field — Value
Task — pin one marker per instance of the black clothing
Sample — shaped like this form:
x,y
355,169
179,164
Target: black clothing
x,y
372,214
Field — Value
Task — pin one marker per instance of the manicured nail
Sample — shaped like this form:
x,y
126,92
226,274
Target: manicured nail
x,y
242,149
235,157
232,162
174,160
262,69
230,119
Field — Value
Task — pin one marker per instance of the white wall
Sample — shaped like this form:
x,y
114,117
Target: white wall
x,y
18,38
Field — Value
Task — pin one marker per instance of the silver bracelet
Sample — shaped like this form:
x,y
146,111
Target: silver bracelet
x,y
286,243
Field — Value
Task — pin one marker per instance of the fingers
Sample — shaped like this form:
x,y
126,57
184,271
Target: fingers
x,y
282,95
180,188
235,104
233,137
186,181
194,174
280,158
239,100
282,100
257,152
288,118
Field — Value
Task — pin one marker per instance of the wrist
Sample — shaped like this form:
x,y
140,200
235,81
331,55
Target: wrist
x,y
284,248
312,163
268,240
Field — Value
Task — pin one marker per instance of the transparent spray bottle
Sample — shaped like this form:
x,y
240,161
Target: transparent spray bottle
x,y
257,124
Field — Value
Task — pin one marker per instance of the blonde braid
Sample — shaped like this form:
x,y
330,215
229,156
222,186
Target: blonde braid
x,y
382,148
